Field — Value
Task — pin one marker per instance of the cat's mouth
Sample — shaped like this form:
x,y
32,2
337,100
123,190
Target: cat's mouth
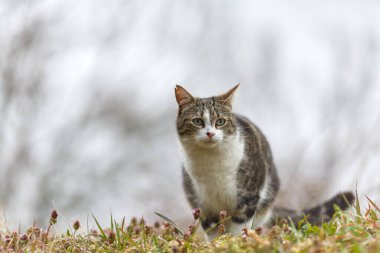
x,y
208,143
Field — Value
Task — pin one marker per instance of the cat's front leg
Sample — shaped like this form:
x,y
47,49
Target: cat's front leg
x,y
236,229
244,213
209,226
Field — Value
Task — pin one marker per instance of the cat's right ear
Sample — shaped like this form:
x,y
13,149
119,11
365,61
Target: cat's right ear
x,y
182,96
228,96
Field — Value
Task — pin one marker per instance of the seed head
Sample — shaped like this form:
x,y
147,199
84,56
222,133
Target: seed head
x,y
29,231
221,229
111,237
191,229
137,230
259,230
54,214
197,213
76,225
24,239
53,217
7,241
157,224
147,230
133,221
186,236
37,232
222,215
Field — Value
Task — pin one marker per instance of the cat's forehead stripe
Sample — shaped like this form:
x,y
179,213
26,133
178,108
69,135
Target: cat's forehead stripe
x,y
200,107
209,106
206,117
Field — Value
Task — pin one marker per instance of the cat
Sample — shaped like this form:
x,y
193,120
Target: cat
x,y
228,166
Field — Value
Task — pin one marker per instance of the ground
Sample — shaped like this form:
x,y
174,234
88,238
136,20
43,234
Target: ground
x,y
348,231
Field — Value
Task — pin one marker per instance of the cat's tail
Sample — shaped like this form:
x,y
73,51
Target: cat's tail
x,y
317,214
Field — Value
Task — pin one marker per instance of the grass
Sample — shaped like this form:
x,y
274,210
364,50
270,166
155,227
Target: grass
x,y
348,231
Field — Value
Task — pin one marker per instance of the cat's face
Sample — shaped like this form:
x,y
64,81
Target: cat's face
x,y
204,122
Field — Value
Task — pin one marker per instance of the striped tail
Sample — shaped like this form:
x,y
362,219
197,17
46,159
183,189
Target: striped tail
x,y
317,214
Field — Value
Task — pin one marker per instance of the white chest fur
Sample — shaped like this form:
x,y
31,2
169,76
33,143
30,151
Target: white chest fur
x,y
213,171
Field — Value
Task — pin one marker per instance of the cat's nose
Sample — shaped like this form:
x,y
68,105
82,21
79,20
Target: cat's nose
x,y
210,134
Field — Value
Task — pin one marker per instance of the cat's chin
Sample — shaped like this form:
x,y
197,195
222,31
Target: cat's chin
x,y
208,144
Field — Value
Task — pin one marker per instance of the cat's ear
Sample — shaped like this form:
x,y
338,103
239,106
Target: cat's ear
x,y
182,96
228,96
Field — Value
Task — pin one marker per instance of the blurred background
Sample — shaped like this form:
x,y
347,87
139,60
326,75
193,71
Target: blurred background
x,y
87,105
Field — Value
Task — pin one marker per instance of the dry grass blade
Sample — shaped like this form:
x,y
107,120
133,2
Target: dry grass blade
x,y
170,221
217,224
357,203
373,203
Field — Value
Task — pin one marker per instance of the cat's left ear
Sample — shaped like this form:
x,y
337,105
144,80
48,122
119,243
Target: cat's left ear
x,y
228,96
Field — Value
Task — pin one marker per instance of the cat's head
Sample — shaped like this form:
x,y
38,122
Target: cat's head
x,y
205,122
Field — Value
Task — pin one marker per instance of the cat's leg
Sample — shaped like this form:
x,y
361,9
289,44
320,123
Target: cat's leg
x,y
261,219
245,208
236,229
209,226
211,235
244,212
190,192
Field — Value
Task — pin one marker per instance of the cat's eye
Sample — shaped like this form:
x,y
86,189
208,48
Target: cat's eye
x,y
220,122
198,122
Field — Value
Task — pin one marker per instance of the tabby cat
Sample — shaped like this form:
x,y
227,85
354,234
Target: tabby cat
x,y
228,165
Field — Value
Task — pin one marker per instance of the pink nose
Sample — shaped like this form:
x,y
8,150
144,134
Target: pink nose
x,y
210,134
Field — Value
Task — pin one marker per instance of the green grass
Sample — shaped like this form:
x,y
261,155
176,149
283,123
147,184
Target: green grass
x,y
348,231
